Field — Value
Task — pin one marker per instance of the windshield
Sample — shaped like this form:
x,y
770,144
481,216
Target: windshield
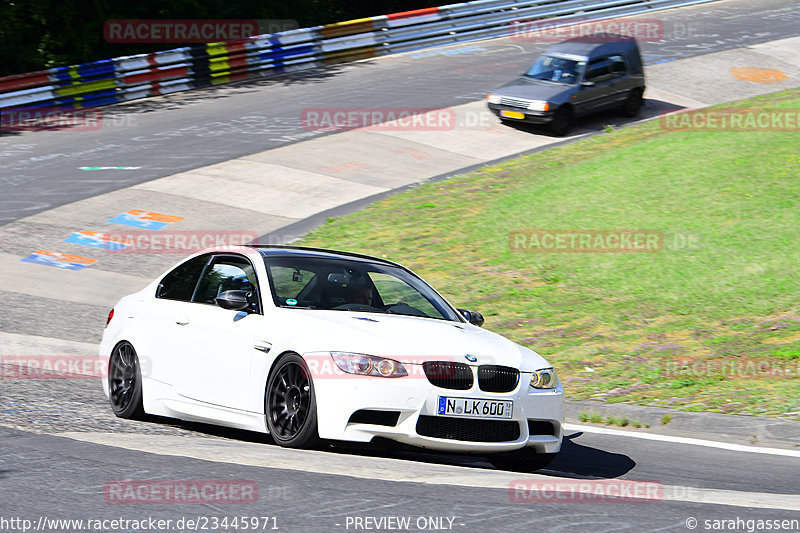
x,y
556,69
346,285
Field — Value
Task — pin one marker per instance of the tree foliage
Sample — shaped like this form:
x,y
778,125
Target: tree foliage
x,y
37,34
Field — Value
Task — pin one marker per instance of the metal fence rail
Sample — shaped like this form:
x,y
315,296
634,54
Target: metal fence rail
x,y
131,77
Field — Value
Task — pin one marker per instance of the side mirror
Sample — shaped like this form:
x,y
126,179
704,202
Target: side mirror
x,y
473,317
587,84
233,300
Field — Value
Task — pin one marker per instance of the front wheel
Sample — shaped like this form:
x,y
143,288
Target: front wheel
x,y
562,121
522,460
125,382
290,405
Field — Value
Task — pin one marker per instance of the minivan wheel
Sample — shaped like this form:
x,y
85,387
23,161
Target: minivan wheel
x,y
633,104
562,122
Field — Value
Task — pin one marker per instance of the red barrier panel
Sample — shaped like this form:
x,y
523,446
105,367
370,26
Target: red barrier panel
x,y
24,81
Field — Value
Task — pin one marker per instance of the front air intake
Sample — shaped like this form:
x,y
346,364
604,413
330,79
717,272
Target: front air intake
x,y
468,429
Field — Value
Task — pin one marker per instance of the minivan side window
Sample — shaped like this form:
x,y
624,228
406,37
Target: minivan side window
x,y
180,283
618,66
598,70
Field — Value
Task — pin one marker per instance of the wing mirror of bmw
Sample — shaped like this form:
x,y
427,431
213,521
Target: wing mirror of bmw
x,y
234,300
473,317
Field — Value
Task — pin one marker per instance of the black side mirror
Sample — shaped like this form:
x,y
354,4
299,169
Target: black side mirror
x,y
233,300
473,317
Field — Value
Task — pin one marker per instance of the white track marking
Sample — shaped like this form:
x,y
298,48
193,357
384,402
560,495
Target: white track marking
x,y
682,440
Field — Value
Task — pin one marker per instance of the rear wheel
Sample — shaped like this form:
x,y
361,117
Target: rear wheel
x,y
633,104
291,406
125,382
523,460
562,122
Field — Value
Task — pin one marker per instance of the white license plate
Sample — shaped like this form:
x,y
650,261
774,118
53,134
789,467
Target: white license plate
x,y
470,407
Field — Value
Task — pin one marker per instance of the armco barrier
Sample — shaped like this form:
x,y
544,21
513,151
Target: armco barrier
x,y
128,78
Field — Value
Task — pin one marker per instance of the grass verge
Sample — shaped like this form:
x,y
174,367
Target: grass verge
x,y
709,322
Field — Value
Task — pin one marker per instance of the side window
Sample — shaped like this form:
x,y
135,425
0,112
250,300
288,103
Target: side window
x,y
290,283
180,283
618,66
225,273
598,70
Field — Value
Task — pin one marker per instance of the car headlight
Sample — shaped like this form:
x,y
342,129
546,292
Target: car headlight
x,y
493,98
544,379
539,105
368,365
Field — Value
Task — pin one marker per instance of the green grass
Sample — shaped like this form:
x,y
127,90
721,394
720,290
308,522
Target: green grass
x,y
611,421
709,323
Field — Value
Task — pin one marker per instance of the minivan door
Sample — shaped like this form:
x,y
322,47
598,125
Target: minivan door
x,y
622,83
597,89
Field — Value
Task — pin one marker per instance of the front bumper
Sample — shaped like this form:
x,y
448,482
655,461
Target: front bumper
x,y
537,417
533,117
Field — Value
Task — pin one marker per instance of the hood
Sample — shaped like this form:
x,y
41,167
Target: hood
x,y
533,89
407,339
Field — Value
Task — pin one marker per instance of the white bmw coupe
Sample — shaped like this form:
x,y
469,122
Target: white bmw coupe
x,y
309,344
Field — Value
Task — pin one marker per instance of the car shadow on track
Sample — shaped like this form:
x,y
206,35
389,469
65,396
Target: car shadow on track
x,y
574,461
578,461
601,121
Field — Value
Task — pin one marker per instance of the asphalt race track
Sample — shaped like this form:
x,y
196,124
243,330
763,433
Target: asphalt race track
x,y
172,134
60,445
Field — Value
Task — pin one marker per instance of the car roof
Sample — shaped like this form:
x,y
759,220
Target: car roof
x,y
588,47
271,250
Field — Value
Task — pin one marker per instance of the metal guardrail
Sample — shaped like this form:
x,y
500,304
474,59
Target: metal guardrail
x,y
131,77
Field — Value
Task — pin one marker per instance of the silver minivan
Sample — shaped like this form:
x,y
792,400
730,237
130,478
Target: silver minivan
x,y
573,79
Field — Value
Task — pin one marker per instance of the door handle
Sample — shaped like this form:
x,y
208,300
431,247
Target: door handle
x,y
181,321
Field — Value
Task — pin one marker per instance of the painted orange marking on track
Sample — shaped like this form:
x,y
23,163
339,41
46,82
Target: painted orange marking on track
x,y
758,75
